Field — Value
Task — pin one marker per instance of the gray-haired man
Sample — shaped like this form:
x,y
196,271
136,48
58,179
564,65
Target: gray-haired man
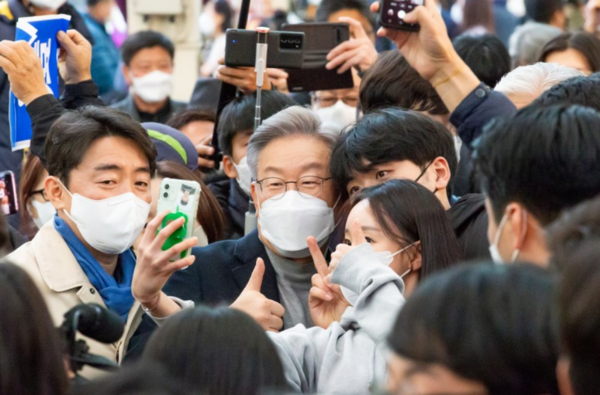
x,y
294,198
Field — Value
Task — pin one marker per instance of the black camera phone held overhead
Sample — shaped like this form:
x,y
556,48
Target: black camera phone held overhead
x,y
285,49
392,13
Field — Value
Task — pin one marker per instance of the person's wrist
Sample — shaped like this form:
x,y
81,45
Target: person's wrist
x,y
149,304
28,99
78,77
447,70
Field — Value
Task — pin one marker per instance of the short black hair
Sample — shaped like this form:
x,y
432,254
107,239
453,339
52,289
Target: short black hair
x,y
142,40
582,91
542,11
238,116
74,132
328,7
420,217
575,227
545,158
390,135
493,324
222,7
217,351
586,43
391,81
579,312
185,117
486,55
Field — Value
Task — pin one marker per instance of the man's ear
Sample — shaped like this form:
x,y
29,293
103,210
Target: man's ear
x,y
126,75
228,167
57,194
516,224
442,172
254,192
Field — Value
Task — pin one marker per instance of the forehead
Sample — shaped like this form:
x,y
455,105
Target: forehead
x,y
338,92
292,153
362,212
156,53
113,150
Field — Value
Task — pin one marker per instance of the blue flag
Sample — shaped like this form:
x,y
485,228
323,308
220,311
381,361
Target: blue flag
x,y
40,32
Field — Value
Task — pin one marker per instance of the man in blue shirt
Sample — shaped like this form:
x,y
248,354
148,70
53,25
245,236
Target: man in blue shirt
x,y
105,54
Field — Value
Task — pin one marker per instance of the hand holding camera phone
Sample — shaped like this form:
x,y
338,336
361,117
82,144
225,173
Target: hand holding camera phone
x,y
180,198
8,193
392,13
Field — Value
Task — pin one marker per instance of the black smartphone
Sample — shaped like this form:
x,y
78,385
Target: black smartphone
x,y
285,51
9,203
319,40
392,13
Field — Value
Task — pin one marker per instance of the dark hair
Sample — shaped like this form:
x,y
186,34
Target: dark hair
x,y
407,212
478,13
542,11
217,351
238,116
392,81
579,307
31,359
185,117
222,7
74,132
485,55
494,324
582,91
586,43
141,378
142,40
389,135
328,7
210,215
575,227
543,158
92,3
30,174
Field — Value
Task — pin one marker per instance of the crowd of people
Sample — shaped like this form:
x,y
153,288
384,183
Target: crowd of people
x,y
433,229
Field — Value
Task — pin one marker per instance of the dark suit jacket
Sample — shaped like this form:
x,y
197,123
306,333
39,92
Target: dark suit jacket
x,y
221,272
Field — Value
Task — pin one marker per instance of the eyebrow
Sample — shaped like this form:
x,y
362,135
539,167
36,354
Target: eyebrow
x,y
112,166
371,228
308,166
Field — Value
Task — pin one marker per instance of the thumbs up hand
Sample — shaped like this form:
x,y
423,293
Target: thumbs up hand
x,y
267,313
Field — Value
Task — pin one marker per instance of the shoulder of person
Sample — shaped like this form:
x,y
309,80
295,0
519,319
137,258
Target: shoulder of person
x,y
178,105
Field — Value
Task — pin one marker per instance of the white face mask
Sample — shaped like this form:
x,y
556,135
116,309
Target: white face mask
x,y
385,258
287,221
153,87
335,118
45,213
494,251
457,146
48,4
109,225
244,178
207,25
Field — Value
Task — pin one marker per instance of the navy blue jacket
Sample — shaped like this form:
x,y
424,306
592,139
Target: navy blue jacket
x,y
221,272
9,13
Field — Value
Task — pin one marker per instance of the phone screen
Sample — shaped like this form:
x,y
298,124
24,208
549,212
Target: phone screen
x,y
8,193
393,12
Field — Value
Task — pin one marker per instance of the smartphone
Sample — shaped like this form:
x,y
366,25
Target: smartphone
x,y
180,198
8,193
319,40
285,50
392,13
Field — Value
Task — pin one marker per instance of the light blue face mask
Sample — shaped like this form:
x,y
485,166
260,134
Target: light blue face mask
x,y
385,258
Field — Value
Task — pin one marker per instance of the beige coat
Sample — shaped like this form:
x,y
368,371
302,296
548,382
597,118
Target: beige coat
x,y
63,284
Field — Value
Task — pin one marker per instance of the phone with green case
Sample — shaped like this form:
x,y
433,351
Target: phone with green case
x,y
180,198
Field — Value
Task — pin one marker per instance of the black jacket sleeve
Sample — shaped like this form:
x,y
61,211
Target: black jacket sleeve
x,y
45,110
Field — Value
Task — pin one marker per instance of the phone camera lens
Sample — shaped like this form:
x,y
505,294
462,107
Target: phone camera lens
x,y
166,195
167,186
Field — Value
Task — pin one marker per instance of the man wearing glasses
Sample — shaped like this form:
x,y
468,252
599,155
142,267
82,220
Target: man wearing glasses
x,y
294,197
